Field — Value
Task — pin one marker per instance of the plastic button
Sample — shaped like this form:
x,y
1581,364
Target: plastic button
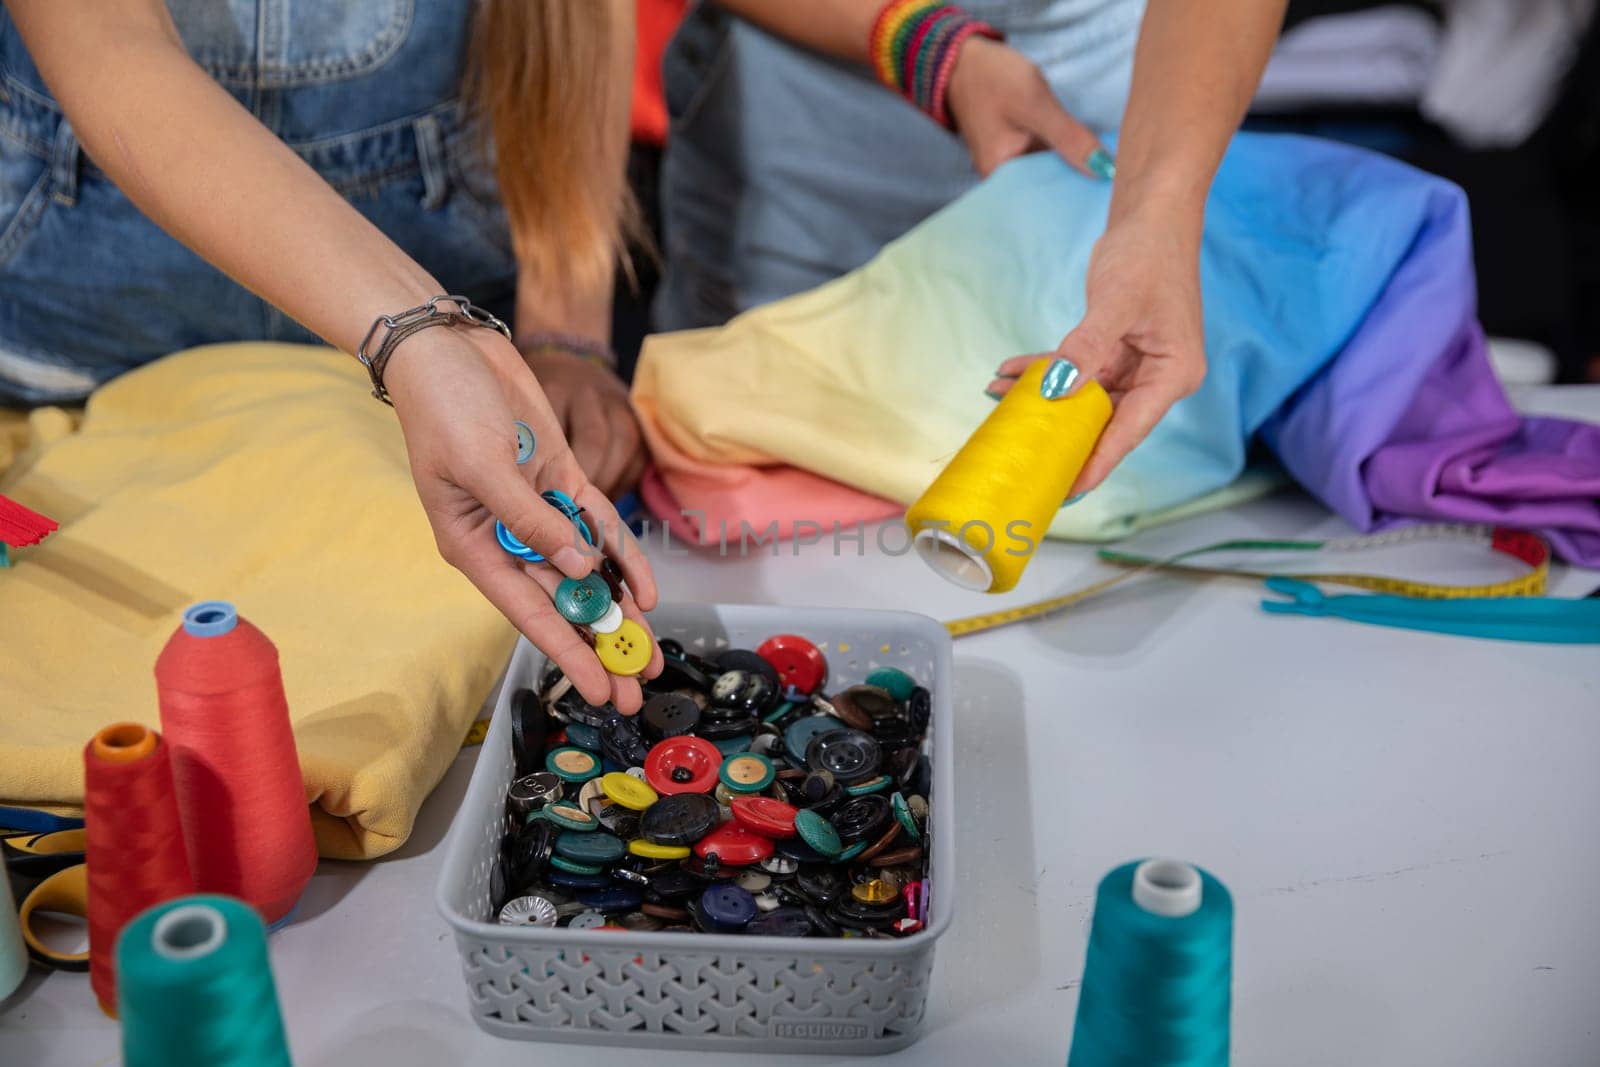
x,y
650,850
765,816
526,443
569,816
683,765
583,600
863,819
628,791
799,734
596,847
669,715
561,863
734,846
897,682
747,773
849,755
818,833
610,620
625,652
572,764
902,812
727,908
613,898
800,665
680,820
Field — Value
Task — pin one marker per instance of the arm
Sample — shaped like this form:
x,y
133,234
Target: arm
x,y
1142,335
245,202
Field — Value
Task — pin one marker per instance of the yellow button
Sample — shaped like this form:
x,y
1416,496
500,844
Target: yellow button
x,y
625,651
652,851
628,791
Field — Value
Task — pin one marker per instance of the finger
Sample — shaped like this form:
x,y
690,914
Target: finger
x,y
1095,345
524,601
626,693
620,544
1071,139
627,444
998,388
1130,424
508,496
1014,366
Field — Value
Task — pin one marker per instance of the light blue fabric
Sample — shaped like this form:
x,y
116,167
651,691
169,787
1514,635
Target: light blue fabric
x,y
785,169
364,92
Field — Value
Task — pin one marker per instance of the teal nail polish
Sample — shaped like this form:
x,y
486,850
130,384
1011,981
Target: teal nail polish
x,y
1073,499
1101,164
991,395
1058,379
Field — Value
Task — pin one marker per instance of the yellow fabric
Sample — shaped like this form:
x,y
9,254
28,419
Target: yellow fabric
x,y
268,476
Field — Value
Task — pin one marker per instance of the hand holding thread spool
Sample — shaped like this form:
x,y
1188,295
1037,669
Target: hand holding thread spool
x,y
197,989
1158,974
134,840
980,521
245,819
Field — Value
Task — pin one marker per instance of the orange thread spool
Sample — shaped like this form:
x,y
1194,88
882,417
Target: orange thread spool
x,y
133,840
245,818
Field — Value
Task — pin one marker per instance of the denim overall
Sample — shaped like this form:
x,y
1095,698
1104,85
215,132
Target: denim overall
x,y
785,169
366,93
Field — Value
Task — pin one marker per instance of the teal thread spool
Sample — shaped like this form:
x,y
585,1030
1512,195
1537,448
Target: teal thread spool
x,y
13,952
194,988
1158,976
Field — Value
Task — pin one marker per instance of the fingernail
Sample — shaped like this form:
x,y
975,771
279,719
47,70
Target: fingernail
x,y
1058,379
1101,164
1073,499
991,394
570,561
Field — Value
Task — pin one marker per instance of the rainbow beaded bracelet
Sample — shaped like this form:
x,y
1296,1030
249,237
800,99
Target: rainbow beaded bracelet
x,y
913,48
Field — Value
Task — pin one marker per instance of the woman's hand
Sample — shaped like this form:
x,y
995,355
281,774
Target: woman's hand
x,y
591,406
1142,337
458,394
1003,108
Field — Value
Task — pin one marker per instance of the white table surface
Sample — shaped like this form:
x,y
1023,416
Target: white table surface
x,y
1407,823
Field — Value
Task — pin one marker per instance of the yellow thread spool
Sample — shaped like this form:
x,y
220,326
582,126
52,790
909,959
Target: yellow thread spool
x,y
983,516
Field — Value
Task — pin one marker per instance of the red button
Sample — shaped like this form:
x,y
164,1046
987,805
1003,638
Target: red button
x,y
800,666
683,765
764,816
734,846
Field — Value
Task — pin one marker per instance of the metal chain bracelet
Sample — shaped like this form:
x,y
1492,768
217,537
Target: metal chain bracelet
x,y
459,312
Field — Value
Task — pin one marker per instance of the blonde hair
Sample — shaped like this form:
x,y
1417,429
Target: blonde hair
x,y
551,81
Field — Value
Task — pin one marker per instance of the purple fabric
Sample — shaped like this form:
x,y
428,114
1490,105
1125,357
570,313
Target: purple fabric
x,y
1385,435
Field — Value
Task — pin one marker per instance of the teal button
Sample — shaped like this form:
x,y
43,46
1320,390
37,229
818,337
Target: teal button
x,y
561,863
583,600
801,731
861,789
584,736
597,847
852,852
732,746
902,811
525,442
819,833
896,681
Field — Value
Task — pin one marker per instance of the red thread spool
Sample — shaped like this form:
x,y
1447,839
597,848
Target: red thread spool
x,y
133,840
245,818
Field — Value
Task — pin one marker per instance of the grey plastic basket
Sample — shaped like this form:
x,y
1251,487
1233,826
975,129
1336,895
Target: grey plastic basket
x,y
705,991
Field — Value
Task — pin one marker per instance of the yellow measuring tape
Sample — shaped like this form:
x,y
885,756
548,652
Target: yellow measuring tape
x,y
1519,544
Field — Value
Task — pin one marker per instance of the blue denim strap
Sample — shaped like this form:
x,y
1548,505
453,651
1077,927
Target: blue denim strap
x,y
430,154
65,159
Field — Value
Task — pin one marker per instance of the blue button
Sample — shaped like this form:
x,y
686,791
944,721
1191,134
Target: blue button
x,y
727,907
614,898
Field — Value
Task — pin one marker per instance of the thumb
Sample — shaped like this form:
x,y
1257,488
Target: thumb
x,y
530,519
1095,344
1071,139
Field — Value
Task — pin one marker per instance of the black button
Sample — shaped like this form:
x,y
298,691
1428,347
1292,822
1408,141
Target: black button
x,y
849,755
742,659
574,707
795,849
785,922
745,691
674,883
822,884
863,819
529,724
823,924
669,715
679,820
622,742
919,706
530,856
722,729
